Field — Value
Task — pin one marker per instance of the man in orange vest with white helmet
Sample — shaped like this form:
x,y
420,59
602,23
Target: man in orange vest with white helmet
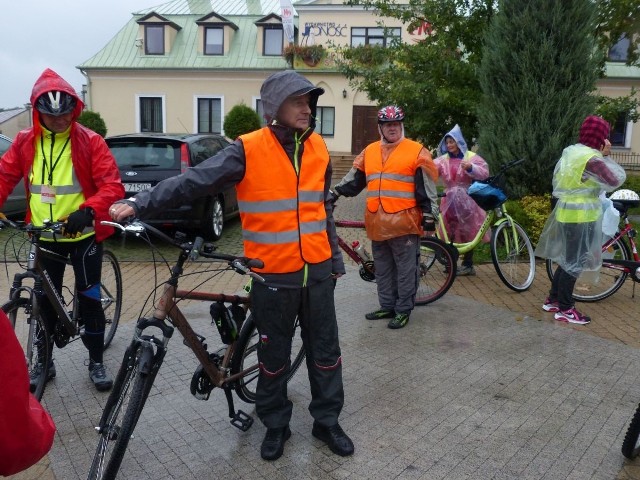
x,y
399,175
282,175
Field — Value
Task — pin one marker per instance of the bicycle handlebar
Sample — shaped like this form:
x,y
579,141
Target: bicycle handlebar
x,y
242,265
48,226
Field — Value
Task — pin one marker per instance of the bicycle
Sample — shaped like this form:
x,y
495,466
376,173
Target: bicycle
x,y
435,273
619,260
631,442
23,307
511,250
234,366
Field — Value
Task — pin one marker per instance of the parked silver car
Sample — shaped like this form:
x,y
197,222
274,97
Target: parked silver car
x,y
16,204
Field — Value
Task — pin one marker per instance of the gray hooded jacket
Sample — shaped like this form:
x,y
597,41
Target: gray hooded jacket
x,y
227,168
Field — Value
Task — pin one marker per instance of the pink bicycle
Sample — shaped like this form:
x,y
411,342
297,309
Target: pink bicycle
x,y
619,260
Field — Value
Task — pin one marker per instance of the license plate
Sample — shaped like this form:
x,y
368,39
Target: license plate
x,y
136,187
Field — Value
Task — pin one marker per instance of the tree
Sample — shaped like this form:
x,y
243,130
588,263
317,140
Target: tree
x,y
436,80
240,120
94,121
617,18
538,74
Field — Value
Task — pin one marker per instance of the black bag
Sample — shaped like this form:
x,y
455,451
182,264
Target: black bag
x,y
222,317
487,195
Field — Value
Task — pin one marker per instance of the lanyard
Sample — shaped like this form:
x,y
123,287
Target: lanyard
x,y
52,163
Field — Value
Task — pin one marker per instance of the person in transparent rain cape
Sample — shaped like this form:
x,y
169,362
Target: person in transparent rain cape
x,y
572,236
458,167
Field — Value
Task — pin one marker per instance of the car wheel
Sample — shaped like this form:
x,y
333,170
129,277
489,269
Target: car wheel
x,y
213,220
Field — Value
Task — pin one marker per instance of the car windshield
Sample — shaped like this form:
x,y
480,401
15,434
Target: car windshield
x,y
148,156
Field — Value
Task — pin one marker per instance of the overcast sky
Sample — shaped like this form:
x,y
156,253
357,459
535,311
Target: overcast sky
x,y
56,34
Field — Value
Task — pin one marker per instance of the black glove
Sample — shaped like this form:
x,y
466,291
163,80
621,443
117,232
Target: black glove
x,y
333,196
428,224
77,221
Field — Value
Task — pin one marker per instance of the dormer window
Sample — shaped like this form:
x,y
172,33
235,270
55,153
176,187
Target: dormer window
x,y
154,36
213,41
215,34
157,34
270,35
273,40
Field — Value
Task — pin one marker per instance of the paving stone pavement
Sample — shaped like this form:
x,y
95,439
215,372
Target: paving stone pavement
x,y
480,385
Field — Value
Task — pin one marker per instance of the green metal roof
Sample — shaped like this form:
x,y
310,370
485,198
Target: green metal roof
x,y
221,7
122,53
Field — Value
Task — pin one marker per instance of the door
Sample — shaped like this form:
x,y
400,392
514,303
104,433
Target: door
x,y
365,128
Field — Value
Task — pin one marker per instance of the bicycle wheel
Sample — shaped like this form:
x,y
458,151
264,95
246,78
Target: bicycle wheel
x,y
631,443
610,277
437,270
34,340
512,255
246,356
110,294
122,411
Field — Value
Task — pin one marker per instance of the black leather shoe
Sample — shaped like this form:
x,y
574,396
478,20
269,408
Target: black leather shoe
x,y
338,441
273,443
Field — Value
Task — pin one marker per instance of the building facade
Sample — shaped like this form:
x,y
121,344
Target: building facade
x,y
182,65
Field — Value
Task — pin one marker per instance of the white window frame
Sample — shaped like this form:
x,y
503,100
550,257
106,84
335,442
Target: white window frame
x,y
254,103
163,100
196,112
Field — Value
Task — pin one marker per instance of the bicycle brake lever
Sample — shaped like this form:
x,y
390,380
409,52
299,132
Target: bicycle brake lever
x,y
240,268
135,228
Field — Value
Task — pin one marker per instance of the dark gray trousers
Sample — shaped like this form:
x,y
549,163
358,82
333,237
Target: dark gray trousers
x,y
396,262
274,311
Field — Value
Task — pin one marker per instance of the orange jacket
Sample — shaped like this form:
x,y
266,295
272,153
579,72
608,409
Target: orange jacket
x,y
284,222
391,184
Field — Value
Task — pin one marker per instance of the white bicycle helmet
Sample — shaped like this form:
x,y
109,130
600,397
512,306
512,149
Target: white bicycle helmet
x,y
625,194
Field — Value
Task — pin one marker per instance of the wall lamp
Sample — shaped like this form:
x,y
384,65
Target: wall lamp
x,y
344,93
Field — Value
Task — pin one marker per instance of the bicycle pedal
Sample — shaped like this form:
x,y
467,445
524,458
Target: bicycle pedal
x,y
242,421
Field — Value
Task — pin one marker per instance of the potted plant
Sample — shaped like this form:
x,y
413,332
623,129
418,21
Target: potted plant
x,y
311,55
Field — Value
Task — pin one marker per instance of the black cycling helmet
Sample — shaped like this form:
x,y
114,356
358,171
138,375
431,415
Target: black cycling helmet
x,y
390,113
55,103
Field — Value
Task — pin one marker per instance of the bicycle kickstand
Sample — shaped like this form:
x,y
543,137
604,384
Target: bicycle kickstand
x,y
239,419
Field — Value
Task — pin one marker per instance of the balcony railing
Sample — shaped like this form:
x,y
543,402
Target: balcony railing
x,y
627,160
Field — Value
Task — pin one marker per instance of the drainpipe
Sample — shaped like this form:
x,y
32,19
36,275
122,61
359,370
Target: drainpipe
x,y
86,90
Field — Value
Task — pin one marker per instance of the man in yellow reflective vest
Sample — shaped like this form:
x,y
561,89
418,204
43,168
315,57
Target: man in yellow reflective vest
x,y
69,172
572,235
399,175
282,175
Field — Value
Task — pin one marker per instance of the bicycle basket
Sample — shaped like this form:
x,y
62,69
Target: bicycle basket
x,y
487,195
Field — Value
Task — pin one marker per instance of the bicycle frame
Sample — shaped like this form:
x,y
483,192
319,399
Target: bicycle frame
x,y
631,267
167,316
367,266
43,285
494,218
167,307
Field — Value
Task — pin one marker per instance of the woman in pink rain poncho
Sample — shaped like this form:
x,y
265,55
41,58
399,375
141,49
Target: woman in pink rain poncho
x,y
458,167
